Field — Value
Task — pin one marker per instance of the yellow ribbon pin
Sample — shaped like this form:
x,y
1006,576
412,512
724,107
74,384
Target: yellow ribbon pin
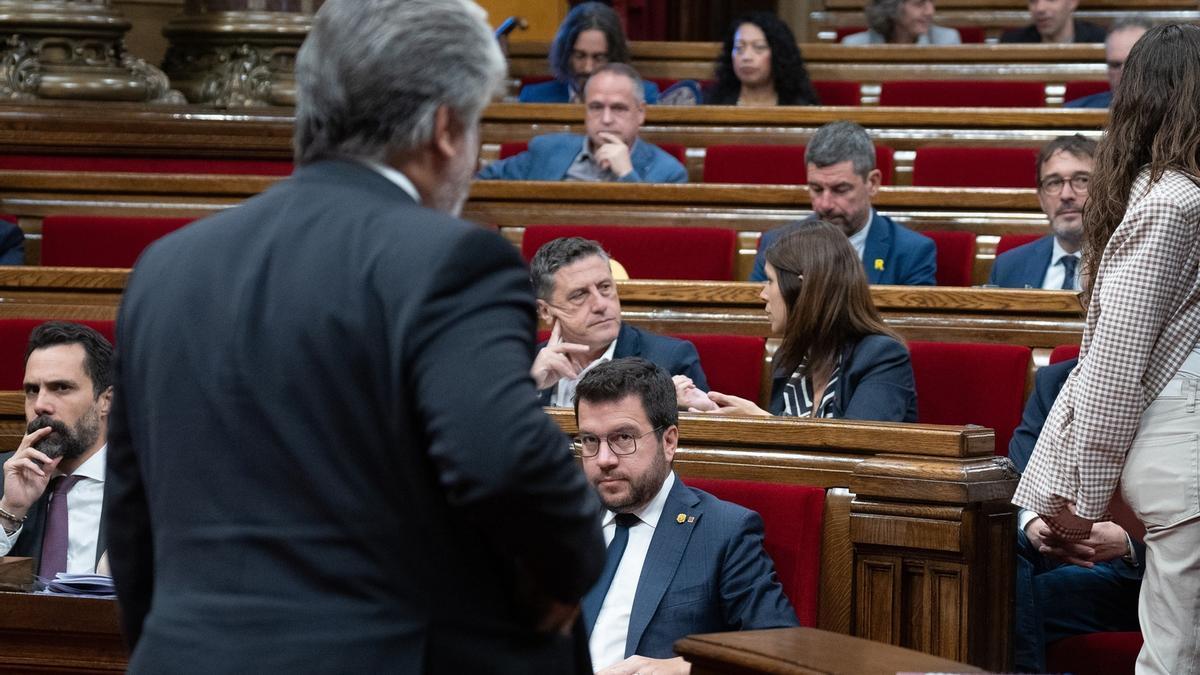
x,y
681,519
879,264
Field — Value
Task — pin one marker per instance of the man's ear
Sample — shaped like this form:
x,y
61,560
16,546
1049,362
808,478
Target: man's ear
x,y
874,180
543,311
447,133
105,401
670,442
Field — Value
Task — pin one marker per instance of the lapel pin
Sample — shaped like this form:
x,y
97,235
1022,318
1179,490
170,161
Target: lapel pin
x,y
680,518
691,519
879,264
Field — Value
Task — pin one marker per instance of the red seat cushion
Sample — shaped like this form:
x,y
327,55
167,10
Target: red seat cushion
x,y
975,167
733,364
513,148
1010,241
834,92
1064,353
1094,654
792,525
14,337
963,93
773,164
145,165
101,241
964,383
955,257
1079,89
676,150
695,253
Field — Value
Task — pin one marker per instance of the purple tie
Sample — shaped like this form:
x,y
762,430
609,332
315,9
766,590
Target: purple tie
x,y
54,541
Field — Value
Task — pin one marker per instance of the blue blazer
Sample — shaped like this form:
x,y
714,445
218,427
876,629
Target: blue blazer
x,y
876,383
894,254
677,357
556,91
549,157
706,575
1101,100
1024,266
12,244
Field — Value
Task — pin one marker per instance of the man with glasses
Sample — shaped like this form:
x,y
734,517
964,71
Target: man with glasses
x,y
615,106
679,560
1064,169
1121,38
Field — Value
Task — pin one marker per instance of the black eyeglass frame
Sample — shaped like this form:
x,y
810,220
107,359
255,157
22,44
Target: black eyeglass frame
x,y
578,444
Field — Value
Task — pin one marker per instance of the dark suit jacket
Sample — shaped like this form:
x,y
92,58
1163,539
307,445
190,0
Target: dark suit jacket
x,y
1084,32
326,452
556,91
705,576
876,383
894,254
1100,100
1024,266
12,244
550,156
29,544
677,357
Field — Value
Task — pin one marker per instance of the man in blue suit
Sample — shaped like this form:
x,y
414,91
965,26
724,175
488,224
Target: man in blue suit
x,y
1120,40
842,179
577,298
611,149
679,560
12,244
1064,170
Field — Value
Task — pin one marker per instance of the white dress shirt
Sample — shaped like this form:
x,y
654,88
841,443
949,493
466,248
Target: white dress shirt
x,y
564,391
859,239
607,641
396,177
85,502
1056,272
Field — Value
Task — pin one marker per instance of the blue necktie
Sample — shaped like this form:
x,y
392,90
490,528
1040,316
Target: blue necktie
x,y
1069,262
590,606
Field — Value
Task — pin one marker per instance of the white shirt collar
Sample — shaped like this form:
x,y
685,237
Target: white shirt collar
x,y
394,176
652,511
94,467
1059,252
859,239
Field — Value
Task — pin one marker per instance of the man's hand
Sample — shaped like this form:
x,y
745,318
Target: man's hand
x,y
1035,531
1067,526
26,474
689,397
1106,542
733,405
613,154
554,362
642,665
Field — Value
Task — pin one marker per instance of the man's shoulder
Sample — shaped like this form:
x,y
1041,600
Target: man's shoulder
x,y
902,234
716,510
1022,253
649,342
1098,101
552,91
1027,34
1089,32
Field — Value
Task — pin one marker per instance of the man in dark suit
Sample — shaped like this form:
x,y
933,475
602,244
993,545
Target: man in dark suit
x,y
1054,21
52,496
1064,171
330,457
679,560
12,244
577,298
1056,599
842,179
1122,35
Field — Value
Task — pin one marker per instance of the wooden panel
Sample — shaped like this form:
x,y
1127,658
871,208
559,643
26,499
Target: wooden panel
x,y
543,16
877,580
54,634
837,563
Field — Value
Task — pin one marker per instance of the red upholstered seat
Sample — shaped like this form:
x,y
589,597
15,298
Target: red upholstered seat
x,y
1064,353
691,253
772,164
1010,241
251,167
14,336
833,92
101,241
955,256
966,383
676,150
1082,88
792,525
733,364
1095,654
513,148
975,167
963,93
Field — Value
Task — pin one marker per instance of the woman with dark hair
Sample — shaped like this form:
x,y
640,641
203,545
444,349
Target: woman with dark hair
x,y
838,359
902,22
760,64
589,38
1127,415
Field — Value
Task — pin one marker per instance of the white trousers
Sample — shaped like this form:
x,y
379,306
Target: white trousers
x,y
1161,483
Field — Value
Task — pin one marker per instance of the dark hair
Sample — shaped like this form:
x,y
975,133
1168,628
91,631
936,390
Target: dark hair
x,y
842,141
556,254
1077,145
98,351
787,65
616,379
831,306
1152,123
587,16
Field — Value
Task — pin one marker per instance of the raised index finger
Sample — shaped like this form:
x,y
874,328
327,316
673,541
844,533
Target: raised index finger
x,y
555,332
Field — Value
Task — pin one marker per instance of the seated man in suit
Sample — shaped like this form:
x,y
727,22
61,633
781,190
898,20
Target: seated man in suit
x,y
1054,21
1121,37
53,490
842,179
589,38
679,561
577,298
1064,169
610,151
12,244
1054,598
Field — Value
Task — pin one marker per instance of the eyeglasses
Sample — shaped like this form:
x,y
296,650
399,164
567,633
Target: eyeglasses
x,y
619,443
1054,184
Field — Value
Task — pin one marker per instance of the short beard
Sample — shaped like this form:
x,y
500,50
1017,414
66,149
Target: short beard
x,y
643,488
63,441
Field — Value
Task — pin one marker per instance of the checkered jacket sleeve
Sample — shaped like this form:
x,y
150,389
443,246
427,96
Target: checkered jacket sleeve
x,y
1143,321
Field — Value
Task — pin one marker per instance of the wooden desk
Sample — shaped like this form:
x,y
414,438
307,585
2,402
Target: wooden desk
x,y
54,634
804,651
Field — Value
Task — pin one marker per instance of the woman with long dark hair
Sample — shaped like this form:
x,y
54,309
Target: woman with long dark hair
x,y
838,359
1128,415
760,64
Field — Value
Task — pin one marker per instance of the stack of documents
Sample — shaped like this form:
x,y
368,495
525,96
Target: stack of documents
x,y
93,585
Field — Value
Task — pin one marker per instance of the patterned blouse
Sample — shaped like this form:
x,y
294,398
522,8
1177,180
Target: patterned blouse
x,y
798,393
